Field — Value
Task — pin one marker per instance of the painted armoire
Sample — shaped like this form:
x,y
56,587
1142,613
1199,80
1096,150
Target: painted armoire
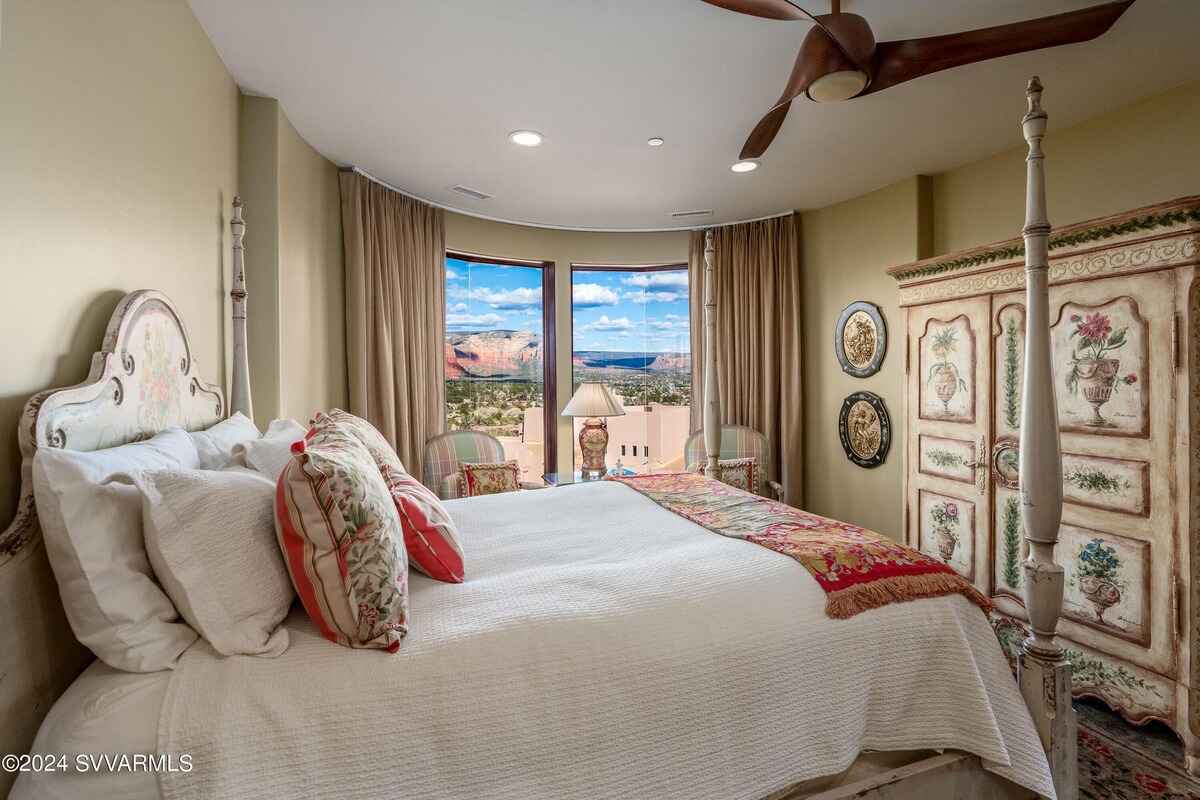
x,y
1125,331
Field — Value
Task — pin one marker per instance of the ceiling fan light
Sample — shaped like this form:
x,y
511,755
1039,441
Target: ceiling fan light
x,y
838,86
745,165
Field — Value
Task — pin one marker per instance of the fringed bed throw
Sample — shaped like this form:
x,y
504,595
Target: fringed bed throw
x,y
858,569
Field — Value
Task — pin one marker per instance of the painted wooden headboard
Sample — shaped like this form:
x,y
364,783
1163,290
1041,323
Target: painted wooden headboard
x,y
143,379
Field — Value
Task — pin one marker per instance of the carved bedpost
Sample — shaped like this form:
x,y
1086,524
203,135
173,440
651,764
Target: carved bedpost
x,y
239,392
712,394
1045,674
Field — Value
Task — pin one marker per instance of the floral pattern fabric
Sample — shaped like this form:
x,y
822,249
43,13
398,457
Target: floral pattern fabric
x,y
381,451
481,479
858,569
342,540
740,473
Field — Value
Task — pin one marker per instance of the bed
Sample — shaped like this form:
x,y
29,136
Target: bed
x,y
638,656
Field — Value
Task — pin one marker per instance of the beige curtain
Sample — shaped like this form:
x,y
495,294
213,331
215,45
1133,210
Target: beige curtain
x,y
758,336
395,250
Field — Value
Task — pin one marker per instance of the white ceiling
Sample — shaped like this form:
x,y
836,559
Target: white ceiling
x,y
423,95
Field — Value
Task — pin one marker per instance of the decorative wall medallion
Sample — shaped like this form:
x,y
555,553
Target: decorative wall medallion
x,y
1112,484
1010,368
947,530
865,429
1102,367
1107,582
947,362
947,458
860,339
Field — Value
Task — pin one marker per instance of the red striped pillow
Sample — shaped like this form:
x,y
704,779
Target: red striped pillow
x,y
429,532
341,539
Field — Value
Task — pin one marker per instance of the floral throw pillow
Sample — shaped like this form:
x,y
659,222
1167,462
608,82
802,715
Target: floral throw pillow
x,y
342,540
740,473
481,479
379,447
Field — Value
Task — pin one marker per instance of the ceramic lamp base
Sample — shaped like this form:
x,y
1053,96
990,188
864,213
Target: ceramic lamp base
x,y
593,444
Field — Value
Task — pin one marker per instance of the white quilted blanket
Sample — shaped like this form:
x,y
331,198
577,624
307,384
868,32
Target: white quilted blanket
x,y
601,647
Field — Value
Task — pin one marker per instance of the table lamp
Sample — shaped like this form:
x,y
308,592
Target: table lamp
x,y
593,401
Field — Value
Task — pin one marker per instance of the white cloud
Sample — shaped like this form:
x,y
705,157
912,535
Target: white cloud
x,y
592,295
458,307
451,275
606,324
505,299
642,297
460,320
654,280
668,325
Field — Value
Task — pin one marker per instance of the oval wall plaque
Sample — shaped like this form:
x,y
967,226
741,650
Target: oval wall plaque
x,y
860,339
865,429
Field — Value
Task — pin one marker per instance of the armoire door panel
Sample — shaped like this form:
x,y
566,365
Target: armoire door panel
x,y
948,440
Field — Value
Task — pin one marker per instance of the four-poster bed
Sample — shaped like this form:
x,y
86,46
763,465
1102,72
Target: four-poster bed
x,y
944,642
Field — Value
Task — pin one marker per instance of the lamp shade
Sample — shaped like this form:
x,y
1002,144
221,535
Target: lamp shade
x,y
594,400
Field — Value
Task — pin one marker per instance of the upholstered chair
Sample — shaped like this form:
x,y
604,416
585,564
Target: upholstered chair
x,y
737,441
446,452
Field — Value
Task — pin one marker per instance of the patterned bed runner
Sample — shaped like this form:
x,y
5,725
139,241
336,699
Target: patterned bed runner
x,y
857,568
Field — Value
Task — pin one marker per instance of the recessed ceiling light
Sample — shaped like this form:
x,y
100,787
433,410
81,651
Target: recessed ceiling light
x,y
655,141
745,166
525,138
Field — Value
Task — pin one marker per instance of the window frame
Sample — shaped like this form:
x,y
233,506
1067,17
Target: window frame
x,y
583,266
549,347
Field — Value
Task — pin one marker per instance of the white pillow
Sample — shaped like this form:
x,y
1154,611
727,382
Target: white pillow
x,y
211,538
270,454
215,445
93,535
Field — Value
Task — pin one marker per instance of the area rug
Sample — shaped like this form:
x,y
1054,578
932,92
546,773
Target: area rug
x,y
1118,761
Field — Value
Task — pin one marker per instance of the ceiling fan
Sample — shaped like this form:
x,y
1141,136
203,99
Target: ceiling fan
x,y
840,59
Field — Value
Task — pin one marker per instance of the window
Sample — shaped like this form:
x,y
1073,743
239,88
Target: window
x,y
630,331
498,379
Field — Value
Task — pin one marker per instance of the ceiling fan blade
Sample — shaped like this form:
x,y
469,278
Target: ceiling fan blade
x,y
764,132
906,59
768,9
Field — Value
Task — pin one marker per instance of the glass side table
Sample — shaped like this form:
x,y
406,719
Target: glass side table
x,y
567,478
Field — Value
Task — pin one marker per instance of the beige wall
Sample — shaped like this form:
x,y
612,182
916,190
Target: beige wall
x,y
846,249
312,286
1138,155
482,237
118,151
294,272
1135,156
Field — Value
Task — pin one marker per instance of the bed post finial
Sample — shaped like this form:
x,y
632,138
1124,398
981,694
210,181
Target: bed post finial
x,y
712,394
1045,673
239,392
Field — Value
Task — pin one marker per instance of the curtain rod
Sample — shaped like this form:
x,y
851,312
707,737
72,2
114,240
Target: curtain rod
x,y
576,228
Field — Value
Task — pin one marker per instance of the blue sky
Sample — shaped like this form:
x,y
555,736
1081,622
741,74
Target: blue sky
x,y
614,311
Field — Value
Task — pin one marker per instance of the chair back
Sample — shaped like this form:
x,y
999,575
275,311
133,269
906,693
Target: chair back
x,y
445,452
737,441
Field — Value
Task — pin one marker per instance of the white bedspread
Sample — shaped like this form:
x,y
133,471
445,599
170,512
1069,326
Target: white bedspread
x,y
601,647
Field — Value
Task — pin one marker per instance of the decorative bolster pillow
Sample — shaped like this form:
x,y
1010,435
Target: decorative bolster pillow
x,y
342,542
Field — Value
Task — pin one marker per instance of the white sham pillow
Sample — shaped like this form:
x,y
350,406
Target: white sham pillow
x,y
210,535
270,454
215,445
93,535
